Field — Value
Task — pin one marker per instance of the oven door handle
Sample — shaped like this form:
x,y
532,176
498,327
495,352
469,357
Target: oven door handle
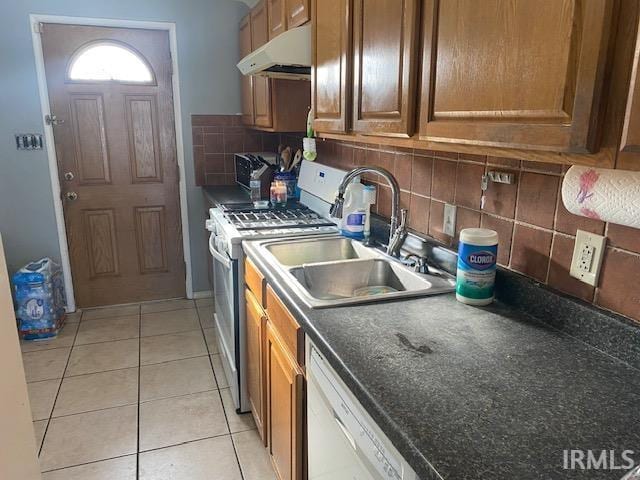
x,y
223,259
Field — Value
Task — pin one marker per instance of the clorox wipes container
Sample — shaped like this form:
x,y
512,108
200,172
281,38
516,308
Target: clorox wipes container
x,y
476,276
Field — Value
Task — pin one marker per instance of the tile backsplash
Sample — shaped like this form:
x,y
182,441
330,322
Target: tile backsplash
x,y
216,138
536,232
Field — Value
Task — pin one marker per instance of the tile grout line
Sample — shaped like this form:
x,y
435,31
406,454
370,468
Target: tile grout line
x,y
186,442
55,400
224,410
132,403
88,463
139,374
171,397
145,451
95,410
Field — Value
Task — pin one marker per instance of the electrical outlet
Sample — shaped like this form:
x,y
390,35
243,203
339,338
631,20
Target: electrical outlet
x,y
587,257
449,220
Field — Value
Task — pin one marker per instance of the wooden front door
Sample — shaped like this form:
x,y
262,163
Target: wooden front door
x,y
110,91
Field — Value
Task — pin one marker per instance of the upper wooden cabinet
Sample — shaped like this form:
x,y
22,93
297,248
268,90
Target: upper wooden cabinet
x,y
274,105
277,17
297,12
385,36
247,83
259,25
631,130
519,74
331,64
262,115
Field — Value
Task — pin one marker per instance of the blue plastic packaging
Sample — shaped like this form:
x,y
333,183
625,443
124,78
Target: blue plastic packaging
x,y
39,299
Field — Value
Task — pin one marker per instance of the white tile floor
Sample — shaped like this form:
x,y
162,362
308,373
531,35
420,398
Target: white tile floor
x,y
138,392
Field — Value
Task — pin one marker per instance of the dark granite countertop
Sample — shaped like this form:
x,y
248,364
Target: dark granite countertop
x,y
226,194
475,393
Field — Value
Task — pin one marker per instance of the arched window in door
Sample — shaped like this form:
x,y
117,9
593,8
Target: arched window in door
x,y
108,61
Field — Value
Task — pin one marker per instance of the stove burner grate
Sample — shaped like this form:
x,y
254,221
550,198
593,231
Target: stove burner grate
x,y
286,218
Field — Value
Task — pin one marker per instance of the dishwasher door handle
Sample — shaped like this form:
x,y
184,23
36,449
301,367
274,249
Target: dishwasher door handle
x,y
344,429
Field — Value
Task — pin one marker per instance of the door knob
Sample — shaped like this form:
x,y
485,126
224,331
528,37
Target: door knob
x,y
71,196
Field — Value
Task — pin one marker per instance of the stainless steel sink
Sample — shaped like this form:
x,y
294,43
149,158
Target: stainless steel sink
x,y
332,271
314,250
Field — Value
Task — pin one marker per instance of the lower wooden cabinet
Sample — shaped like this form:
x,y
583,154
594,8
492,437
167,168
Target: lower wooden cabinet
x,y
285,383
256,326
275,376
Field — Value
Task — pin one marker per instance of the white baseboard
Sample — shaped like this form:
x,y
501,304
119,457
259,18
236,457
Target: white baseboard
x,y
202,294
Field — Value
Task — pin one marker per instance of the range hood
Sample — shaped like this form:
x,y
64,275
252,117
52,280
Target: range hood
x,y
286,56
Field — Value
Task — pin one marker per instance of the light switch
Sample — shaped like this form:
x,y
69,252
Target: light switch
x,y
29,141
449,220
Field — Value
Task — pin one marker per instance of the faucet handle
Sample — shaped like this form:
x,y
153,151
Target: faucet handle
x,y
419,264
402,224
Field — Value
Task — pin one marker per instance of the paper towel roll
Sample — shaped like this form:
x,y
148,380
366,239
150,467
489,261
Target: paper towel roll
x,y
603,194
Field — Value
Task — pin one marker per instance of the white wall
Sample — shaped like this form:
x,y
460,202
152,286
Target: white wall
x,y
207,32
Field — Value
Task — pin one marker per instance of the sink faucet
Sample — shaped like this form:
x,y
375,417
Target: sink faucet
x,y
398,230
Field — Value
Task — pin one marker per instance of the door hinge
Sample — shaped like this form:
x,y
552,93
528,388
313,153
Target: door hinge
x,y
38,27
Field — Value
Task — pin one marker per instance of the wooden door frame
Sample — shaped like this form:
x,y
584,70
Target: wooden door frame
x,y
170,27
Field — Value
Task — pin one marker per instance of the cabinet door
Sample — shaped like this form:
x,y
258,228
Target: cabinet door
x,y
631,131
277,17
261,86
247,83
256,324
285,408
330,73
297,12
385,42
518,74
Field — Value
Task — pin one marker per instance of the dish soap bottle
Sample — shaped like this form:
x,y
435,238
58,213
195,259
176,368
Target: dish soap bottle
x,y
354,213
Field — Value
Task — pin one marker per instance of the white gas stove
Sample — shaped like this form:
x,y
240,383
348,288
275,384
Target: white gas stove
x,y
230,225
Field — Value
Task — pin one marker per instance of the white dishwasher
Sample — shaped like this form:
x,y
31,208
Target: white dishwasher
x,y
344,442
